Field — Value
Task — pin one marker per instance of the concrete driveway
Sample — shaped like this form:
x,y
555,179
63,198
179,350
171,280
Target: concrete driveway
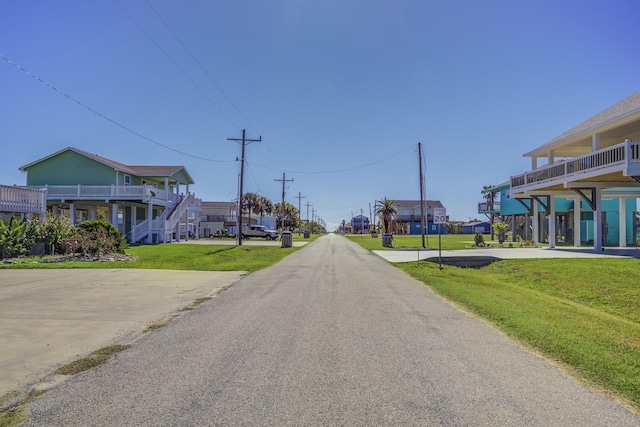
x,y
51,317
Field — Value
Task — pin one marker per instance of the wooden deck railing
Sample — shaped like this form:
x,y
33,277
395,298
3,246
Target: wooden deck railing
x,y
615,157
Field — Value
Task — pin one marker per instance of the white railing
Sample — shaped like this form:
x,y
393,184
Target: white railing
x,y
22,199
620,155
144,193
167,222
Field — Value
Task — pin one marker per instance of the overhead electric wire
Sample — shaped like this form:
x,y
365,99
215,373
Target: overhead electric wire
x,y
99,114
340,170
177,66
210,78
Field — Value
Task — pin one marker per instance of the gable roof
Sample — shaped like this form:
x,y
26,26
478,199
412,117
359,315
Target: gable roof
x,y
415,204
619,114
155,171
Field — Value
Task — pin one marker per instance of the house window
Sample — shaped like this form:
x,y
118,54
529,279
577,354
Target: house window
x,y
127,180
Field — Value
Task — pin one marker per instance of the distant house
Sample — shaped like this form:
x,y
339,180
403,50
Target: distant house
x,y
472,227
407,220
360,224
144,202
216,217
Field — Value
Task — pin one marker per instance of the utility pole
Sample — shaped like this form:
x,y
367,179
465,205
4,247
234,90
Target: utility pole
x,y
300,197
308,213
313,214
421,194
244,141
284,180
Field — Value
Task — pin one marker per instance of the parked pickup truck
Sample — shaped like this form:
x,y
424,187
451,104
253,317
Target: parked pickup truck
x,y
259,231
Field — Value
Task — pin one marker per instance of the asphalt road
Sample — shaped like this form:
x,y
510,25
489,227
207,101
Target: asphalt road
x,y
331,336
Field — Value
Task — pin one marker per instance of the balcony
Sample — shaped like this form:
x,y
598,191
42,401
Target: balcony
x,y
486,207
141,193
622,160
22,199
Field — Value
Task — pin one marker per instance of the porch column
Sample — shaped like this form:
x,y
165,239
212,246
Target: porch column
x,y
114,215
577,213
536,222
134,216
513,228
552,221
550,157
597,220
93,213
72,213
622,220
149,219
595,142
166,188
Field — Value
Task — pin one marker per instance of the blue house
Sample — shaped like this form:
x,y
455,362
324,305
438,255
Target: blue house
x,y
360,224
583,185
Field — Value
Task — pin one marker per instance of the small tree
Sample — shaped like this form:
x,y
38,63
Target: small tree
x,y
478,238
501,229
387,211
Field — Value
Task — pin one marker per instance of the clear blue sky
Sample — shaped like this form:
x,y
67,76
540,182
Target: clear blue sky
x,y
332,85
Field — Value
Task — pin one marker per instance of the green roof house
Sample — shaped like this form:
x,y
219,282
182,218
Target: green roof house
x,y
146,203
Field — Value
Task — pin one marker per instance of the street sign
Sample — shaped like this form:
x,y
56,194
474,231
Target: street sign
x,y
439,215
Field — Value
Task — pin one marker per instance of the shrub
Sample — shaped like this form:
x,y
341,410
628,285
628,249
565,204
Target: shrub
x,y
478,239
98,236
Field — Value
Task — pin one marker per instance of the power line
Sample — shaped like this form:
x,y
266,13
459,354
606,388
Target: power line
x,y
201,67
341,170
99,114
207,74
176,65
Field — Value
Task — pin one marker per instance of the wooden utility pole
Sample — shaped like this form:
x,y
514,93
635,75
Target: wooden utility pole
x,y
244,141
421,194
284,180
300,197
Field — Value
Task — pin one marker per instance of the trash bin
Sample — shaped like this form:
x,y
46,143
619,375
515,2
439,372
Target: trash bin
x,y
286,239
307,234
387,240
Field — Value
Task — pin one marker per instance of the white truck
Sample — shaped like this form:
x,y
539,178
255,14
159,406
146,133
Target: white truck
x,y
259,231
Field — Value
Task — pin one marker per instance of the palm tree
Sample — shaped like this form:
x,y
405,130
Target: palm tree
x,y
490,197
249,203
387,211
263,207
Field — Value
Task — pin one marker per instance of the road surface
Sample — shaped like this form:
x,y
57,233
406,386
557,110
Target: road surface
x,y
331,336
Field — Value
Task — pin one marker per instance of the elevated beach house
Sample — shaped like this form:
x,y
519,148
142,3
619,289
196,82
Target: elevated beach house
x,y
584,183
146,203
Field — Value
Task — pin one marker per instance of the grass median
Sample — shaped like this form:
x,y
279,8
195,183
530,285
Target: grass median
x,y
581,313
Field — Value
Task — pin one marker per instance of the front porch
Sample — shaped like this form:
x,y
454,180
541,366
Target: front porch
x,y
142,213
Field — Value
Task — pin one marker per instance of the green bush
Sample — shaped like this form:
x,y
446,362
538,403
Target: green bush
x,y
98,236
11,235
478,238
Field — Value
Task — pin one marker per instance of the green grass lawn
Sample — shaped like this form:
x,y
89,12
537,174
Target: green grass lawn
x,y
583,314
181,257
449,241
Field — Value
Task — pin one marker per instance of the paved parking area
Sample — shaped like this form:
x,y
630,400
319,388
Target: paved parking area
x,y
51,317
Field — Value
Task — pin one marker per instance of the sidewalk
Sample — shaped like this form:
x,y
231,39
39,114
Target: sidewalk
x,y
495,254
